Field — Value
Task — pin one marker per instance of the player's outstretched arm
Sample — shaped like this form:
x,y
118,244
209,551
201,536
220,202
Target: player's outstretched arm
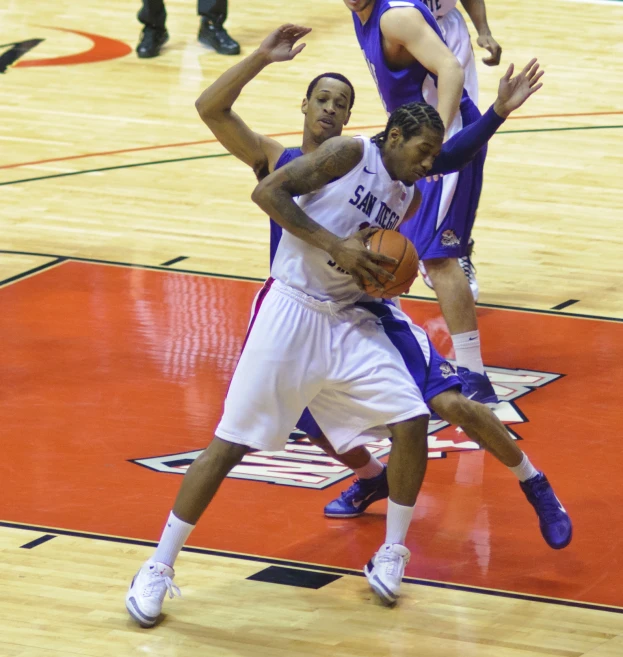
x,y
275,194
408,28
215,103
478,13
513,92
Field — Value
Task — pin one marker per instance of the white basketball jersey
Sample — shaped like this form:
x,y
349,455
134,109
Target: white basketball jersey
x,y
440,8
365,196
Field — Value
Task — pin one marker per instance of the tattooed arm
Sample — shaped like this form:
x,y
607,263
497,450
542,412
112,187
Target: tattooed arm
x,y
275,195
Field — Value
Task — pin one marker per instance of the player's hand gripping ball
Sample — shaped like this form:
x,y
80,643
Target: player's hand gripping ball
x,y
395,245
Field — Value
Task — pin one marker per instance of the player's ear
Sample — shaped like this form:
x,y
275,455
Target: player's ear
x,y
304,106
394,135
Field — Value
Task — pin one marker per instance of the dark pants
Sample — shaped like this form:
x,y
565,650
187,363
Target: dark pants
x,y
154,14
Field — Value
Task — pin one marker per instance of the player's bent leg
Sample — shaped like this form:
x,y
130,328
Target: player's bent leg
x,y
479,423
154,579
483,427
369,487
405,473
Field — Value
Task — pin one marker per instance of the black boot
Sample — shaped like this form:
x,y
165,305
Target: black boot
x,y
152,39
212,33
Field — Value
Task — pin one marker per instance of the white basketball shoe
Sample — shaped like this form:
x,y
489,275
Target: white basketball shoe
x,y
385,570
146,593
469,270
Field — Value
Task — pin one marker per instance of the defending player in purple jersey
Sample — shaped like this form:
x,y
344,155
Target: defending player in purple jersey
x,y
405,51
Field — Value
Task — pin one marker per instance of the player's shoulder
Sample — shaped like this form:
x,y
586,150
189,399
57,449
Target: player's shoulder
x,y
349,146
401,13
340,154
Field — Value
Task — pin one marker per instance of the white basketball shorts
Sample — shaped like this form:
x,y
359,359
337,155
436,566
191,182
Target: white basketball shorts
x,y
338,361
457,38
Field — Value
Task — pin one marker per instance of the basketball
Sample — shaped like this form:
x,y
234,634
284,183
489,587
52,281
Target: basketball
x,y
395,245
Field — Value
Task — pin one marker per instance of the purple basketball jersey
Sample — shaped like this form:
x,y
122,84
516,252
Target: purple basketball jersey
x,y
406,85
276,230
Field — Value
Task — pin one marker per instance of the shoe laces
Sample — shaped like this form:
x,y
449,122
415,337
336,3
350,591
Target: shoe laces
x,y
391,561
468,267
161,584
353,492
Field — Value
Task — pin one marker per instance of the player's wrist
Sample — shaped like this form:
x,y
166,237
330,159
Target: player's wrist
x,y
262,57
501,109
331,244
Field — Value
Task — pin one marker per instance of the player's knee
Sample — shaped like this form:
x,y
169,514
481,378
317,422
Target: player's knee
x,y
222,454
454,408
436,263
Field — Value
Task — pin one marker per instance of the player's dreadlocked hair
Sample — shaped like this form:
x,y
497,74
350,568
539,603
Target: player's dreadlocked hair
x,y
335,76
411,118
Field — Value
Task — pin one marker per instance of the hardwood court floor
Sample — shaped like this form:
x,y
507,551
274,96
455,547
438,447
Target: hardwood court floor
x,y
113,375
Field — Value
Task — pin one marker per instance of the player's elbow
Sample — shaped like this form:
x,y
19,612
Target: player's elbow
x,y
454,71
204,108
261,193
208,109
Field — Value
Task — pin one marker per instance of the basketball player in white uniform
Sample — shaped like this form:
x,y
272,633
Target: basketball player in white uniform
x,y
315,340
457,38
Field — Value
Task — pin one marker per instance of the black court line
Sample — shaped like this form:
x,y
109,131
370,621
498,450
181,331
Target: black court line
x,y
38,541
318,567
207,157
121,166
307,579
168,263
252,279
34,270
565,304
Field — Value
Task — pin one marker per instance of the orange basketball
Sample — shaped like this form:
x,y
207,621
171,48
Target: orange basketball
x,y
391,243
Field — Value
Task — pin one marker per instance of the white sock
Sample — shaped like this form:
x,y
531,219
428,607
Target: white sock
x,y
173,537
372,468
398,521
467,350
525,470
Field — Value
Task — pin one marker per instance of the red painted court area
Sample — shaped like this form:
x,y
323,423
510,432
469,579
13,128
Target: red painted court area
x,y
104,364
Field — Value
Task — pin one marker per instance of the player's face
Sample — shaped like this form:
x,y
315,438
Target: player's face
x,y
327,111
358,5
410,160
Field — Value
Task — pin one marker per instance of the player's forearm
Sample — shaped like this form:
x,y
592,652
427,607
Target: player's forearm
x,y
450,80
477,12
223,93
279,204
460,149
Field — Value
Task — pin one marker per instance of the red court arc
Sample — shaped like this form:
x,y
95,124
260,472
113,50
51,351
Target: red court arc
x,y
102,49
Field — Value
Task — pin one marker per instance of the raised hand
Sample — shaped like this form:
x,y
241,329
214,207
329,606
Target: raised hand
x,y
352,255
278,46
488,42
514,91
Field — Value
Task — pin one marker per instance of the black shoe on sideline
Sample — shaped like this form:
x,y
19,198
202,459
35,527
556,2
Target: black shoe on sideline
x,y
212,33
152,39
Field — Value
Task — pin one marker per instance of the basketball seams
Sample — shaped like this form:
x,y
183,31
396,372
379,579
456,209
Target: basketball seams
x,y
411,278
402,255
407,261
